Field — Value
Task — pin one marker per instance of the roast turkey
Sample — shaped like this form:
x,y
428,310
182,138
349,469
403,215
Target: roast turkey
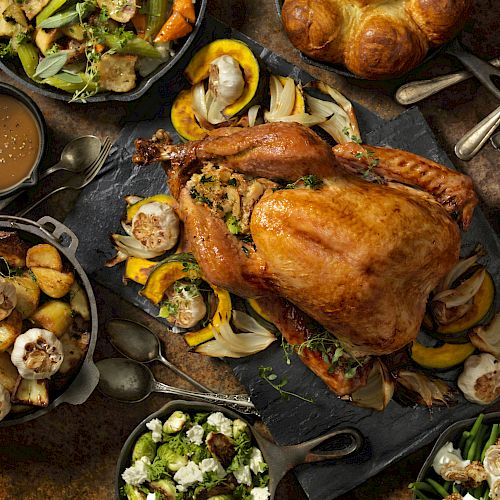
x,y
355,237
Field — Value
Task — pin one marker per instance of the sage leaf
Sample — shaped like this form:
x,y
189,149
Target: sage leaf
x,y
60,20
66,76
51,65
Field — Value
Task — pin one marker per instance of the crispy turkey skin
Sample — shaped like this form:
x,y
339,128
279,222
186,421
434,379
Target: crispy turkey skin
x,y
358,257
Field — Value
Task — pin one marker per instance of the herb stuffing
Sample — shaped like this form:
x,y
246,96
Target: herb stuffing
x,y
196,455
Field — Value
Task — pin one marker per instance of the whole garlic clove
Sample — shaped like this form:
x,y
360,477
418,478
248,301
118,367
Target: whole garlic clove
x,y
4,402
37,354
8,298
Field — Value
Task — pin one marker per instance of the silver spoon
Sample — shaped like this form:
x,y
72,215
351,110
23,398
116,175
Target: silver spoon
x,y
137,342
76,156
130,382
495,140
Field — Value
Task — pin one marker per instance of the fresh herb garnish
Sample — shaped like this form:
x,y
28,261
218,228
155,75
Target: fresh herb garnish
x,y
266,373
354,138
233,224
308,181
6,50
206,178
232,182
200,198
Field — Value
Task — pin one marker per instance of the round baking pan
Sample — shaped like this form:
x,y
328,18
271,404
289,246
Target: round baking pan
x,y
49,230
280,459
14,69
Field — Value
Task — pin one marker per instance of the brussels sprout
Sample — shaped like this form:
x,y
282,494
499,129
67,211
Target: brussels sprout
x,y
173,459
175,422
239,427
133,493
144,447
165,487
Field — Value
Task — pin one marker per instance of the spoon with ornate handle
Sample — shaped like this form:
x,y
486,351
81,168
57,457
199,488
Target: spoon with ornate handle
x,y
468,146
412,92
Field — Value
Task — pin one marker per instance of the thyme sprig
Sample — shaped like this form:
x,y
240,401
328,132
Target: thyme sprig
x,y
367,154
266,373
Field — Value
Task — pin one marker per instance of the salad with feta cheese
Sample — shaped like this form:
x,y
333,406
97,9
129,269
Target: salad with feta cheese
x,y
205,456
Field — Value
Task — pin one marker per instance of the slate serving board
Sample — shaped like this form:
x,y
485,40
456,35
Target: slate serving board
x,y
389,435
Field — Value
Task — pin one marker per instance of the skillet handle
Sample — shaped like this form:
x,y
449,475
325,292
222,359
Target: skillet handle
x,y
302,453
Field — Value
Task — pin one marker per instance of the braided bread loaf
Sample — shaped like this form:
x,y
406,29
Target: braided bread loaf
x,y
375,39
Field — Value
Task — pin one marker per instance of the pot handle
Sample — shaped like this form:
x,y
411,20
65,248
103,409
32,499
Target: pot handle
x,y
83,385
303,453
63,235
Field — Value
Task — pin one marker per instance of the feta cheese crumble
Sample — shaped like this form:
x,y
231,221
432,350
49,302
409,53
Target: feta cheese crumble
x,y
137,473
259,493
243,475
257,463
221,423
195,434
156,427
212,465
188,475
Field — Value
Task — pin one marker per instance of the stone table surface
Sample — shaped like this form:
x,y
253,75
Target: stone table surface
x,y
71,452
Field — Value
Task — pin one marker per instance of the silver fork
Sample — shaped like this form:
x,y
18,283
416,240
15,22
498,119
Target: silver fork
x,y
77,182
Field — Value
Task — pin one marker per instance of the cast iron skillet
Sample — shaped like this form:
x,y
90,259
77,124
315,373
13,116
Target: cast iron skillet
x,y
342,70
453,434
49,230
15,70
280,459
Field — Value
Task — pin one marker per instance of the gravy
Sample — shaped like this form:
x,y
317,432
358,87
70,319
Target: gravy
x,y
19,141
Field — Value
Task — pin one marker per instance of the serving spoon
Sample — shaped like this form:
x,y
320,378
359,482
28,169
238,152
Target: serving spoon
x,y
130,382
76,156
139,343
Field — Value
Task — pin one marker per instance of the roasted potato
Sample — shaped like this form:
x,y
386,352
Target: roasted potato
x,y
75,347
44,255
13,249
55,284
10,329
8,372
55,316
79,302
28,294
31,392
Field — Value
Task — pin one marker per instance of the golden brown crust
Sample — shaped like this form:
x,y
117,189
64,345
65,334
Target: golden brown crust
x,y
373,39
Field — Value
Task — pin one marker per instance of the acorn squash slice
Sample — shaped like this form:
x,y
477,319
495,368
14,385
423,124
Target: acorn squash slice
x,y
183,118
176,267
161,198
222,313
443,357
138,270
482,310
299,105
198,70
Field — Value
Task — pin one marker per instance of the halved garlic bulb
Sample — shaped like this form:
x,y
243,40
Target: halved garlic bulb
x,y
491,460
156,226
4,402
8,298
184,306
480,380
449,460
37,354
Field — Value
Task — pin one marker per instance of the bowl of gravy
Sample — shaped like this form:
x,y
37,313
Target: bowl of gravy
x,y
22,140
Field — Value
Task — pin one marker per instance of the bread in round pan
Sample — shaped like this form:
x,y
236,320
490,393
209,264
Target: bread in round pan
x,y
375,39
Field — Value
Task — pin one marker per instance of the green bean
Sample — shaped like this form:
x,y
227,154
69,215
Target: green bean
x,y
447,485
439,489
491,441
48,10
472,435
28,55
420,495
420,485
476,492
486,493
135,45
157,11
476,443
477,424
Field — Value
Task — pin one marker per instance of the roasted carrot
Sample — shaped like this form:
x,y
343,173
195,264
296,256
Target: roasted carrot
x,y
175,27
186,8
139,22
